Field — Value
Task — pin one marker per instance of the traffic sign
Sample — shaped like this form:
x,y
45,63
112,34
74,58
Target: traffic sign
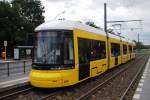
x,y
5,43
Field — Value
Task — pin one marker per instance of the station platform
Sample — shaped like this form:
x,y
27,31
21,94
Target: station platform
x,y
143,89
14,73
12,60
14,82
8,60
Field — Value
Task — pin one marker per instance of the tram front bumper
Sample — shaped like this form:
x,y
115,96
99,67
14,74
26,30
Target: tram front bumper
x,y
45,79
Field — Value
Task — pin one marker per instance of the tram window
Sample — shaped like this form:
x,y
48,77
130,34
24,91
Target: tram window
x,y
133,49
130,49
54,47
102,50
115,49
68,49
124,49
98,50
95,50
84,47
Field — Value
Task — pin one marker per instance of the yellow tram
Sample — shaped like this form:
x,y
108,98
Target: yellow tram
x,y
68,52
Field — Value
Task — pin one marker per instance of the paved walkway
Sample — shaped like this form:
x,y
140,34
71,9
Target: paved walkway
x,y
12,60
8,60
14,82
16,77
143,89
14,70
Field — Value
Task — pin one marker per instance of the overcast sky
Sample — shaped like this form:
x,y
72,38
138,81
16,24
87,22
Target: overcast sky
x,y
92,10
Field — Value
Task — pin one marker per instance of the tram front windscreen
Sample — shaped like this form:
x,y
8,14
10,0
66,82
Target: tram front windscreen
x,y
54,49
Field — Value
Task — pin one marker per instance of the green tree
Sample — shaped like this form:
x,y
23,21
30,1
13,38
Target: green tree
x,y
8,26
139,45
17,18
8,22
31,12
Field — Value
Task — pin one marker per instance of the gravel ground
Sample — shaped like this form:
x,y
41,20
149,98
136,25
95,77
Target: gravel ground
x,y
115,89
111,91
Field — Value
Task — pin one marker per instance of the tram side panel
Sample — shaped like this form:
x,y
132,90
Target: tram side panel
x,y
70,76
48,76
124,52
133,52
90,54
128,52
115,52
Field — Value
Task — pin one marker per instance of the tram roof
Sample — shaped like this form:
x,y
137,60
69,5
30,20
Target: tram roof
x,y
70,25
127,39
67,25
114,36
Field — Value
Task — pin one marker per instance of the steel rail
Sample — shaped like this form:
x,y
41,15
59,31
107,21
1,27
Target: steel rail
x,y
134,79
50,96
93,90
54,93
15,93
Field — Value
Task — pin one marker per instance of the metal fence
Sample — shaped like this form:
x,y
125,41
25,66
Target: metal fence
x,y
9,69
143,51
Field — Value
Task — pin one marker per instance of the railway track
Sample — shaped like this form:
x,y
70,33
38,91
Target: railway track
x,y
134,80
101,87
82,90
8,94
26,92
51,96
76,91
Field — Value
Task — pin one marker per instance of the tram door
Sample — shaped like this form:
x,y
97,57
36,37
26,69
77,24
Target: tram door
x,y
84,58
115,50
84,71
130,51
130,56
116,60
